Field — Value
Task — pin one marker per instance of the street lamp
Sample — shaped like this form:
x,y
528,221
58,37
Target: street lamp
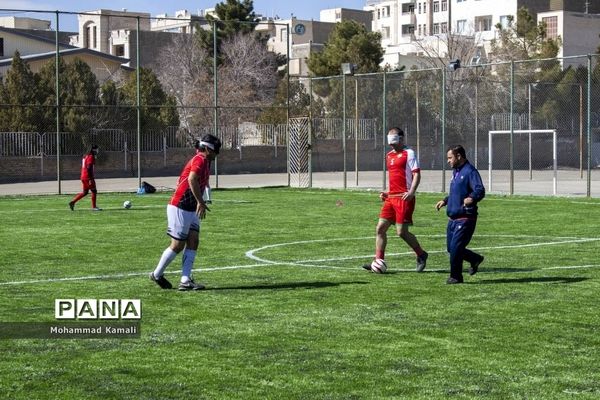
x,y
347,69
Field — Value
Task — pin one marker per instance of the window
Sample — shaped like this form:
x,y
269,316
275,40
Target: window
x,y
419,30
551,27
88,33
444,5
504,21
436,6
1,47
120,50
444,27
460,1
419,8
461,26
483,24
436,28
95,41
385,32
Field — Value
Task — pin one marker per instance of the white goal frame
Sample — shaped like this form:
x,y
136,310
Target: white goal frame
x,y
530,132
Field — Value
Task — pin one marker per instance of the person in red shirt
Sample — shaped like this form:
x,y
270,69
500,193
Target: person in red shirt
x,y
87,179
399,202
185,211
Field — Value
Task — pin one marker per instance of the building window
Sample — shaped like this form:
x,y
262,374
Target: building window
x,y
385,32
444,5
551,27
483,24
461,26
460,1
424,8
95,41
504,21
120,50
436,28
436,6
444,27
1,47
419,8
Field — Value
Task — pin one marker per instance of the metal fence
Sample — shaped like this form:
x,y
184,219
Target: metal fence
x,y
145,98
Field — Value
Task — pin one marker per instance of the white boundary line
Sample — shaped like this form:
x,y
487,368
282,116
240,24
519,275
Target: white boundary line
x,y
306,263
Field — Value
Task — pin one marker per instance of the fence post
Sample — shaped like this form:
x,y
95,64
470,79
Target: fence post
x,y
589,131
57,85
125,160
164,151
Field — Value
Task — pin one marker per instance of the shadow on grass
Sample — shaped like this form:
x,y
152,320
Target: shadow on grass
x,y
546,279
290,285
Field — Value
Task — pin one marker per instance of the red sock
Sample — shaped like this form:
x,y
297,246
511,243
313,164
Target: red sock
x,y
380,254
93,200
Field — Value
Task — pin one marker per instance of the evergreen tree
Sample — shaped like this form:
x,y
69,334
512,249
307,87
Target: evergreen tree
x,y
19,94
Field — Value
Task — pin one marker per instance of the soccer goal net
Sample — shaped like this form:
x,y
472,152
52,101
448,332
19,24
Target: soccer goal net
x,y
530,143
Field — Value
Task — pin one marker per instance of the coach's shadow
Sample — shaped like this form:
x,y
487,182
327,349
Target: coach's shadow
x,y
291,285
545,279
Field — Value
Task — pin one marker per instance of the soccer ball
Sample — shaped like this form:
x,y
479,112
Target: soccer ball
x,y
127,204
378,266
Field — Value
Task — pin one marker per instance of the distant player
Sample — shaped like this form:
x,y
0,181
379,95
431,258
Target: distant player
x,y
399,202
87,179
185,211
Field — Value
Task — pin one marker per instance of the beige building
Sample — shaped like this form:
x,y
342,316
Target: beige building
x,y
102,65
24,23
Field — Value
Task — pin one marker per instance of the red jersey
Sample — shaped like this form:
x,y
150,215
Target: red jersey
x,y
87,167
401,165
183,197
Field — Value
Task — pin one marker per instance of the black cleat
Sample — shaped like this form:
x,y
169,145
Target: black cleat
x,y
453,281
162,281
190,285
367,267
422,261
475,265
72,206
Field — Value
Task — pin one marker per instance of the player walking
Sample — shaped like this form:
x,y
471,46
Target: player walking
x,y
87,179
399,202
184,212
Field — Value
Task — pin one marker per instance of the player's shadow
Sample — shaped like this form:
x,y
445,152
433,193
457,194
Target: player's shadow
x,y
544,279
289,285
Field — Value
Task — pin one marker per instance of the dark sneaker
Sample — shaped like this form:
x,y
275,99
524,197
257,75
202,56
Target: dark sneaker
x,y
72,206
422,261
475,265
453,281
191,285
162,281
367,267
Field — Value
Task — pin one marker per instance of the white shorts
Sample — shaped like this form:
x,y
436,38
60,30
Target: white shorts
x,y
181,222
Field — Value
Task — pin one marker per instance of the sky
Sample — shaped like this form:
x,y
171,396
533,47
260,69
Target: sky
x,y
301,9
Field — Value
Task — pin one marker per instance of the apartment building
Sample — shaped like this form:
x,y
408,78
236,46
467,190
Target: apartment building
x,y
420,27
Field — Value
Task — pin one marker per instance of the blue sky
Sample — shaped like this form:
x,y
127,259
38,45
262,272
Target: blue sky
x,y
302,9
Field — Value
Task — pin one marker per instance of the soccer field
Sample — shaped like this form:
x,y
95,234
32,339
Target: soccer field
x,y
289,313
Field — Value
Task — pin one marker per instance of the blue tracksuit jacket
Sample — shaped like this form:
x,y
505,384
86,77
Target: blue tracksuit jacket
x,y
466,182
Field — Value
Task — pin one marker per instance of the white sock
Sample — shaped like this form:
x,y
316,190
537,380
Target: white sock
x,y
167,256
187,264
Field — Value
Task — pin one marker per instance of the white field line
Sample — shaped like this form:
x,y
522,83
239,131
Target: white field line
x,y
305,263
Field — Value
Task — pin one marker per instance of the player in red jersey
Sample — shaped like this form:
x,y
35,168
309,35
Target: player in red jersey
x,y
87,179
399,202
185,210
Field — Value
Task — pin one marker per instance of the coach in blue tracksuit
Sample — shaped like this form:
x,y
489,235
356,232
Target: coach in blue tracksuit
x,y
466,191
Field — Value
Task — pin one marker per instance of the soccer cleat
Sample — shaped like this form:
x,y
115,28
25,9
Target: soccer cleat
x,y
367,267
453,281
475,265
72,206
162,281
190,285
422,261
96,209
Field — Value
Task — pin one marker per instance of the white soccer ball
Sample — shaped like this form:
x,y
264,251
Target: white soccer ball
x,y
378,266
127,204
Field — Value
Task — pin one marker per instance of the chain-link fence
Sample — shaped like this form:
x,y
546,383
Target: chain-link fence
x,y
145,88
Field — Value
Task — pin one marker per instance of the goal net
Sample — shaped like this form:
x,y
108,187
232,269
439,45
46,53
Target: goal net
x,y
532,149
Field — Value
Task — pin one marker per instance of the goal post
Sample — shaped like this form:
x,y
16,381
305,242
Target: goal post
x,y
530,133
